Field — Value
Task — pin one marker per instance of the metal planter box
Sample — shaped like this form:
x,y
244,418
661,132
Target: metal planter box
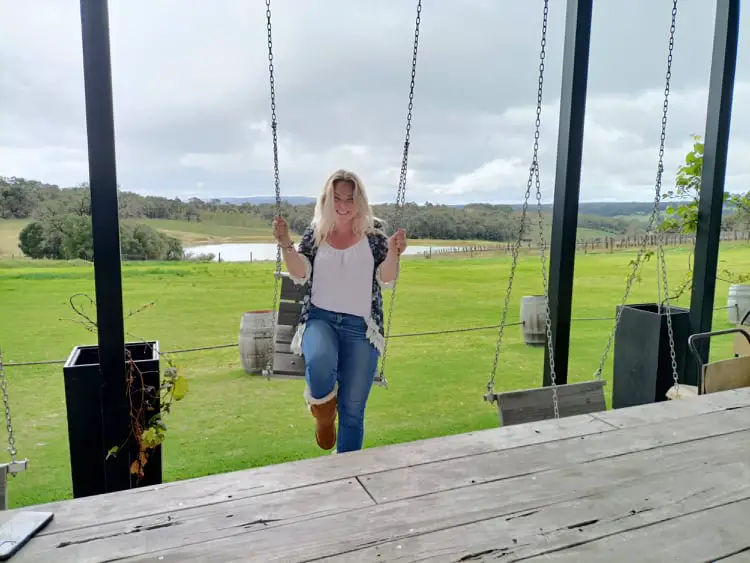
x,y
86,412
642,362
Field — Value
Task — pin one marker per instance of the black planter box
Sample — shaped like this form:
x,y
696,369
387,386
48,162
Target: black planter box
x,y
85,410
642,362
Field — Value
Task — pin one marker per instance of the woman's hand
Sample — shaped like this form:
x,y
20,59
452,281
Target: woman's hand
x,y
397,243
281,231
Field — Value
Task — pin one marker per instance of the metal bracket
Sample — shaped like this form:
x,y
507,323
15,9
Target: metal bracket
x,y
15,466
9,469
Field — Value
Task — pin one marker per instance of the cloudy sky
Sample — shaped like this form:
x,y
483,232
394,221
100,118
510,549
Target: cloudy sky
x,y
192,95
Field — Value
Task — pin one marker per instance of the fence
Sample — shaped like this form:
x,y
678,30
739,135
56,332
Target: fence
x,y
403,335
601,244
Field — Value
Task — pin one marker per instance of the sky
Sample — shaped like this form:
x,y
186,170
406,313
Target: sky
x,y
192,112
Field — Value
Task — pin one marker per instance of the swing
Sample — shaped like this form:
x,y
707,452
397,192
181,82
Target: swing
x,y
555,401
722,375
741,344
16,531
282,363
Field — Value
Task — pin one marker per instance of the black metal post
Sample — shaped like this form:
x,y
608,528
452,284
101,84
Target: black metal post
x,y
568,181
716,142
106,238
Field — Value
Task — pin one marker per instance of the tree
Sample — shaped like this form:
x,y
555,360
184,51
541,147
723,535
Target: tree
x,y
683,217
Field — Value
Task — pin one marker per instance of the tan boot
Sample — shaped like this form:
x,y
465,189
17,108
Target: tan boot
x,y
325,423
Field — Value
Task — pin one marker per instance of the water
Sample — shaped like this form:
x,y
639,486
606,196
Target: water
x,y
246,252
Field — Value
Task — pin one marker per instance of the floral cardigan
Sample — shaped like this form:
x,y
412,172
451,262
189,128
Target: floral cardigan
x,y
307,249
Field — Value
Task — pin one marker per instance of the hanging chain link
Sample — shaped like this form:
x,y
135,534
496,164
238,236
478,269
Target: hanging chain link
x,y
277,274
490,395
660,234
401,194
655,211
8,423
548,315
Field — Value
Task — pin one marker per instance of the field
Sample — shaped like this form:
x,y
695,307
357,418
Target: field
x,y
247,230
230,421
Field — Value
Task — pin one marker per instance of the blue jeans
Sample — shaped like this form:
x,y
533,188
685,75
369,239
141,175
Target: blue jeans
x,y
339,360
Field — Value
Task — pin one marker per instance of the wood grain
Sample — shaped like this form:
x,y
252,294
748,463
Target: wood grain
x,y
288,364
209,490
344,533
567,524
545,482
223,519
289,290
284,333
723,532
408,482
530,405
723,375
666,410
288,313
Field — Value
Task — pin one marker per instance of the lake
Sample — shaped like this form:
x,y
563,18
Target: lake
x,y
251,252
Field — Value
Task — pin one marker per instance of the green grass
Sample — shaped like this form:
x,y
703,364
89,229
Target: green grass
x,y
231,421
9,230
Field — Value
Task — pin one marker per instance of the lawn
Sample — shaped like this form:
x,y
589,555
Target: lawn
x,y
231,421
9,230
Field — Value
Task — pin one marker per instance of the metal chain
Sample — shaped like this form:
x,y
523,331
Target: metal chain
x,y
652,218
660,234
8,423
548,315
490,395
401,194
277,276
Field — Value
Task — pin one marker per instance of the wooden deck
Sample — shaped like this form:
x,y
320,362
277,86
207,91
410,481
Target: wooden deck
x,y
661,482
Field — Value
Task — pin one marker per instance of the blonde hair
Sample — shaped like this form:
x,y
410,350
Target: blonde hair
x,y
324,219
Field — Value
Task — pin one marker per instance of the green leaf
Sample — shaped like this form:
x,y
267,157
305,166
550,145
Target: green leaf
x,y
180,388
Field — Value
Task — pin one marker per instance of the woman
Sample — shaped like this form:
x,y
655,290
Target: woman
x,y
343,260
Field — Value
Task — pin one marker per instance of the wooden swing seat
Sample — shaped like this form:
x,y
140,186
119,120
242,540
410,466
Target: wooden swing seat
x,y
741,343
287,365
722,375
533,405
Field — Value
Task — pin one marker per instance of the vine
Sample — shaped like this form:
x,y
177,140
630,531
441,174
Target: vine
x,y
683,217
147,426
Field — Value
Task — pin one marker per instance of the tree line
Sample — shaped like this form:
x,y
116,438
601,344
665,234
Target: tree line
x,y
60,225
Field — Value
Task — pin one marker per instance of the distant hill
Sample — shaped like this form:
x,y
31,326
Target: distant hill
x,y
610,208
262,200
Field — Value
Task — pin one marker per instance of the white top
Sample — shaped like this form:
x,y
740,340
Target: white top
x,y
343,279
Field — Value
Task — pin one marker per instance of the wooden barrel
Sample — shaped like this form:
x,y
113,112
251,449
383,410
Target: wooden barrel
x,y
533,318
738,302
256,334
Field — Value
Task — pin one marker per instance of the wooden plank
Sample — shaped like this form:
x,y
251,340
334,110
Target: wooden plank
x,y
285,333
741,344
669,410
289,290
732,373
288,364
428,478
248,483
172,529
530,405
713,534
264,480
343,533
288,313
556,526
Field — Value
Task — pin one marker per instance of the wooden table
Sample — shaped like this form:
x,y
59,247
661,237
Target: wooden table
x,y
662,482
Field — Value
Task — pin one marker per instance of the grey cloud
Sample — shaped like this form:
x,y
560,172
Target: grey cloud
x,y
191,95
